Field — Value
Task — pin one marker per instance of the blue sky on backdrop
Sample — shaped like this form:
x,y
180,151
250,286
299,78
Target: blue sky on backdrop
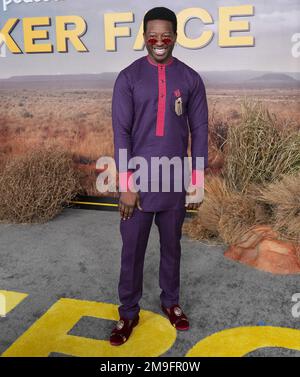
x,y
273,24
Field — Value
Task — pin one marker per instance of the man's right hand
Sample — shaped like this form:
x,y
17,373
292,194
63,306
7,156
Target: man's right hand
x,y
127,202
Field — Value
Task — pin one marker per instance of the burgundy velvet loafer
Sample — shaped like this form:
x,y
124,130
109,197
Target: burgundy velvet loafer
x,y
121,332
176,316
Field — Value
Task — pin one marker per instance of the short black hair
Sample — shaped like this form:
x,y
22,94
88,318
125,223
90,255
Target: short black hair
x,y
161,13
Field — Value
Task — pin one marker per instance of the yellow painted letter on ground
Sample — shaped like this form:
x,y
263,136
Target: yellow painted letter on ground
x,y
242,340
9,300
50,333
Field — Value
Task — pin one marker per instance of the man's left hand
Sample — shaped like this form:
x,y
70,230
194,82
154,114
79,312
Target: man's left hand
x,y
194,205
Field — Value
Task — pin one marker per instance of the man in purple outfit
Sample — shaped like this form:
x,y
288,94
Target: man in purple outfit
x,y
156,101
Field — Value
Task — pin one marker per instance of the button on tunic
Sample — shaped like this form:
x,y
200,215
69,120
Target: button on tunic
x,y
146,124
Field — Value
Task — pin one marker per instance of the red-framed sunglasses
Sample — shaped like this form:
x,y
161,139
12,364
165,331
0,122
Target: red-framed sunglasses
x,y
152,41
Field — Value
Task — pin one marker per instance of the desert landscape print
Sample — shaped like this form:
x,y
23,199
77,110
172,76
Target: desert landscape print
x,y
75,111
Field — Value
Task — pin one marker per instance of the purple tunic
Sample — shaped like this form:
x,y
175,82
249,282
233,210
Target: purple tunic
x,y
146,124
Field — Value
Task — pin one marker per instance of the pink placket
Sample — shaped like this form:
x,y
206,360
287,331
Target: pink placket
x,y
162,92
160,119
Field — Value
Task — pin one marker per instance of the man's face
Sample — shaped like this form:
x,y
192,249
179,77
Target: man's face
x,y
159,40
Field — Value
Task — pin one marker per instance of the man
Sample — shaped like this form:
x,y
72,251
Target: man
x,y
156,101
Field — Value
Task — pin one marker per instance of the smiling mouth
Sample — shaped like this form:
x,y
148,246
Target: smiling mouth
x,y
159,51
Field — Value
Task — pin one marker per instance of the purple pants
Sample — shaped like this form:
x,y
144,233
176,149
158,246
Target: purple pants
x,y
135,233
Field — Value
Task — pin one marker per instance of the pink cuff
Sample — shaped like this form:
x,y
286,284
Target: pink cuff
x,y
197,178
126,181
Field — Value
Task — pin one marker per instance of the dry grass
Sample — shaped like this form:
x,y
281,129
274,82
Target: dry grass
x,y
284,198
238,215
218,128
35,186
215,194
258,150
260,181
223,215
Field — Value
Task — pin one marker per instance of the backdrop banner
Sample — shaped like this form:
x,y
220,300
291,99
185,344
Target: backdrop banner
x,y
59,60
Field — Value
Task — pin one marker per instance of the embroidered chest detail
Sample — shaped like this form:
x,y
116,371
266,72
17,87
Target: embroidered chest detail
x,y
177,93
178,102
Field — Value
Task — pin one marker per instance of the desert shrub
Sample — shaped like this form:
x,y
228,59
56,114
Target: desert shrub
x,y
35,186
257,150
284,198
259,183
218,128
223,215
238,215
